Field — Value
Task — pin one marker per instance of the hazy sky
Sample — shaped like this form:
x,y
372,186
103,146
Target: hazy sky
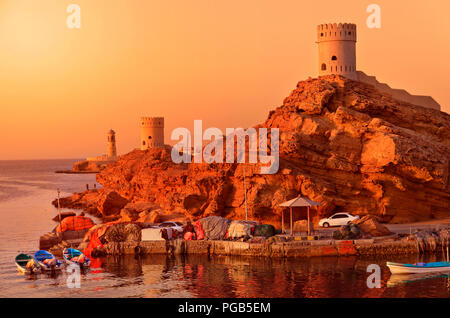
x,y
225,62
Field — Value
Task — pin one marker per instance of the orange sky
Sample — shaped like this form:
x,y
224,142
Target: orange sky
x,y
225,62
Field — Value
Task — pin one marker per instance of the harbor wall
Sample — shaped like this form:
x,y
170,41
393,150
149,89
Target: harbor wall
x,y
293,249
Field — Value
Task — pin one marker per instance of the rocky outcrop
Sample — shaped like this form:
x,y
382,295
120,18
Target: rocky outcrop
x,y
370,225
342,143
101,202
87,166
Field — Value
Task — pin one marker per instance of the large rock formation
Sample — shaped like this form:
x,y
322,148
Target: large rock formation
x,y
342,143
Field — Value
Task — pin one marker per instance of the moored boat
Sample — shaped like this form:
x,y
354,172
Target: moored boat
x,y
434,267
74,256
47,261
26,264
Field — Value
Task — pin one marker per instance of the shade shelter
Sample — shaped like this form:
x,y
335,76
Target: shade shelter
x,y
297,202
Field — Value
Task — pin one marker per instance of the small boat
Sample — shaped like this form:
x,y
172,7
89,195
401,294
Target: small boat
x,y
47,261
73,256
435,267
25,266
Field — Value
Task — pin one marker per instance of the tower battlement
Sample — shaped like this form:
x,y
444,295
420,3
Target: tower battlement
x,y
336,32
152,132
152,122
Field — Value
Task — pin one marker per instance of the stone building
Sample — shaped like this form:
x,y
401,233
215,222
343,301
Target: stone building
x,y
152,132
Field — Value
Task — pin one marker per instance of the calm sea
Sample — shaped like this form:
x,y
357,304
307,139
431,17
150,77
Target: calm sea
x,y
28,187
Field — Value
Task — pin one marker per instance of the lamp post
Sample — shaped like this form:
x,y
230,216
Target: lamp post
x,y
245,196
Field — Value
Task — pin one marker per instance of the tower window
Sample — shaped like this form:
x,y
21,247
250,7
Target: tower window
x,y
334,58
143,143
324,67
149,137
321,34
349,33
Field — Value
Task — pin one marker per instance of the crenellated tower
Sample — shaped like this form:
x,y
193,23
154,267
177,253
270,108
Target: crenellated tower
x,y
152,132
337,49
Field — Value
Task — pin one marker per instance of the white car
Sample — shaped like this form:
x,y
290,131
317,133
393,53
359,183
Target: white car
x,y
173,225
338,219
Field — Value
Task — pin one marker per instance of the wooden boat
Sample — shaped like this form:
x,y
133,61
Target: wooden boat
x,y
41,256
435,267
22,261
71,256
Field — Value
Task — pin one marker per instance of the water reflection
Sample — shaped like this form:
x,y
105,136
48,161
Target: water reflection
x,y
202,276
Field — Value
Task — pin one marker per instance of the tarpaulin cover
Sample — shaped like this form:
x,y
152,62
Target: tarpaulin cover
x,y
266,230
199,230
239,229
152,234
94,235
75,223
93,243
215,227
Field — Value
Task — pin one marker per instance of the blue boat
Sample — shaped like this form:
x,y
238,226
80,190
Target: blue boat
x,y
47,261
73,256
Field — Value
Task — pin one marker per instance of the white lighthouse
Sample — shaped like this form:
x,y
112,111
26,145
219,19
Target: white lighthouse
x,y
111,149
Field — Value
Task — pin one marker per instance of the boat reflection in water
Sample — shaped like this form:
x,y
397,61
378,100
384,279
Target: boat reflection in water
x,y
399,279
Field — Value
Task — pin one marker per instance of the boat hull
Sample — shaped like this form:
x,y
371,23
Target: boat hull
x,y
25,270
21,262
40,256
397,268
69,253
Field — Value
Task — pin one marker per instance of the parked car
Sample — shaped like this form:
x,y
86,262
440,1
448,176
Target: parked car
x,y
338,219
174,225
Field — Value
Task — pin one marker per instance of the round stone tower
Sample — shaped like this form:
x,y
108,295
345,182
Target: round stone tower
x,y
152,132
337,49
111,151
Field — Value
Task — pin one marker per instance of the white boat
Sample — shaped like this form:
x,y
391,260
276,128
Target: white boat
x,y
435,267
24,266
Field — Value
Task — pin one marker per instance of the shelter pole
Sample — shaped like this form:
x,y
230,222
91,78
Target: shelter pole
x,y
282,221
309,230
245,195
292,233
447,251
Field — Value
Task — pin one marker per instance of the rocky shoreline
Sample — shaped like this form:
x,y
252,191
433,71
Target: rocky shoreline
x,y
343,144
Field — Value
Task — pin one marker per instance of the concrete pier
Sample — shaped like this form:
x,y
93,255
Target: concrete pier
x,y
291,249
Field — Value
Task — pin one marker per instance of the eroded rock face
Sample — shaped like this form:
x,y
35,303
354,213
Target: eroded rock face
x,y
342,143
